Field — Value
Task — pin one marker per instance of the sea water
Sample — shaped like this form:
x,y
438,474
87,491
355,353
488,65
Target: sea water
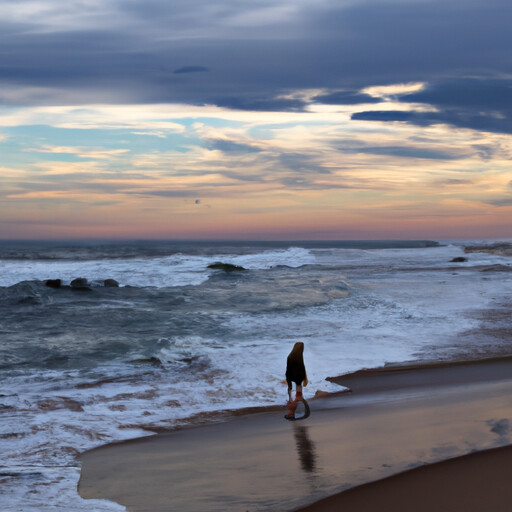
x,y
177,341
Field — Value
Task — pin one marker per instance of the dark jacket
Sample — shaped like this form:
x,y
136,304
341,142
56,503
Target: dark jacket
x,y
295,369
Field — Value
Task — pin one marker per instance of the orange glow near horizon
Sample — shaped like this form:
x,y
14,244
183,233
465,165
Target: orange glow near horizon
x,y
214,173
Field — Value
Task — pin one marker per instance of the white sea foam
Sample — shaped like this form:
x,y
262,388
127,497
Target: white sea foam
x,y
176,270
429,257
48,416
47,489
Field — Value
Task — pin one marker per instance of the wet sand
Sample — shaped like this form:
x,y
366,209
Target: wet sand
x,y
478,482
396,419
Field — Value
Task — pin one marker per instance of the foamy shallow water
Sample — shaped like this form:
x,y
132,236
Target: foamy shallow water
x,y
224,345
175,270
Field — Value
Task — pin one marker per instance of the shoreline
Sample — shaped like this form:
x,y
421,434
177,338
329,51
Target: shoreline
x,y
415,373
396,417
424,374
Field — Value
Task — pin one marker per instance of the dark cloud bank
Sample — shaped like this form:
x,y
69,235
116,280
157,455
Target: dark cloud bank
x,y
222,53
478,103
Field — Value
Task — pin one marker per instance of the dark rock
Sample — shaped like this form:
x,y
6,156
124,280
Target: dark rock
x,y
110,283
227,267
154,361
459,259
53,283
80,283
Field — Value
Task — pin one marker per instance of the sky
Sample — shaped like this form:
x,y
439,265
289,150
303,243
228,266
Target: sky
x,y
255,119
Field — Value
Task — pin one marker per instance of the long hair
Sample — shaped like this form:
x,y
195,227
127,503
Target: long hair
x,y
297,353
295,369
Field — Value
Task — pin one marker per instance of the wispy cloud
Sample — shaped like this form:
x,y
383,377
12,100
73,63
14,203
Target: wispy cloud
x,y
95,154
295,116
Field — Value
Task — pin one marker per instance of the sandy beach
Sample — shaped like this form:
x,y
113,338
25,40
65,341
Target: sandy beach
x,y
471,483
382,446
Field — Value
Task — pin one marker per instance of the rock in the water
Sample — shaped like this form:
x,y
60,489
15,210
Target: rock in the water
x,y
80,283
459,259
154,361
227,267
110,283
53,283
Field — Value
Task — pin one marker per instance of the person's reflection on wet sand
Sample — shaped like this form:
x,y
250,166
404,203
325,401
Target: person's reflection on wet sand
x,y
305,448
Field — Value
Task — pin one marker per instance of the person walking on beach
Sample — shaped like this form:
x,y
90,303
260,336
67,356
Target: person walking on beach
x,y
295,372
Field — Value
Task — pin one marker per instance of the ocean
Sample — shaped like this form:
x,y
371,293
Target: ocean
x,y
177,342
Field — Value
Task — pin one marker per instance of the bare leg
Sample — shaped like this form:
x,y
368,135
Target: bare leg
x,y
292,405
